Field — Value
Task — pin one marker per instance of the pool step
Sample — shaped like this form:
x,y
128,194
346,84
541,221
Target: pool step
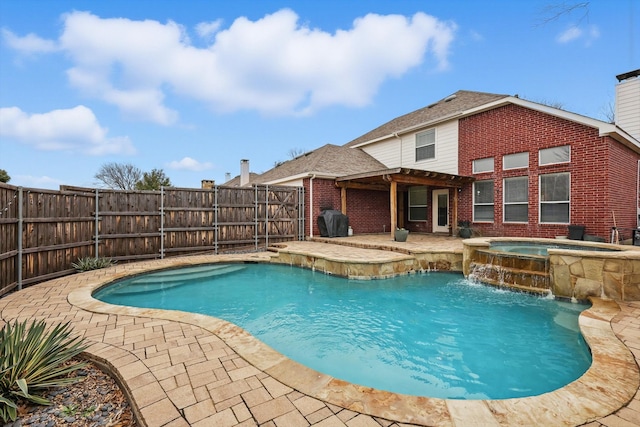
x,y
522,279
180,275
156,282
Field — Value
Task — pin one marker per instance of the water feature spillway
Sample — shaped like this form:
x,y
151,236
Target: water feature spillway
x,y
566,269
516,270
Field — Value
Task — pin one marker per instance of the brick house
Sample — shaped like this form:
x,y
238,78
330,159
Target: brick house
x,y
510,166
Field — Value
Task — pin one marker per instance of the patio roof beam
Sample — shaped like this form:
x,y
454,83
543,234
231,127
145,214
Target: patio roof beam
x,y
363,185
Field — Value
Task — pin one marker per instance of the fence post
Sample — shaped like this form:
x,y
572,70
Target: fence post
x,y
161,222
97,224
215,219
19,260
255,218
266,217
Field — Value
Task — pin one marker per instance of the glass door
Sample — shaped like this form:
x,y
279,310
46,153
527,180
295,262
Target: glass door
x,y
440,211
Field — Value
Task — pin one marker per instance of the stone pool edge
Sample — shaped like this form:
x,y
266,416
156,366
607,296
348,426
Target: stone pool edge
x,y
610,383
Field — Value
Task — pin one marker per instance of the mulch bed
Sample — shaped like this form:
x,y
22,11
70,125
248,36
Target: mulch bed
x,y
96,401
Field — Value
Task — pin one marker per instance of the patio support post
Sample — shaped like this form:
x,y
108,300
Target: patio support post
x,y
393,197
454,220
343,199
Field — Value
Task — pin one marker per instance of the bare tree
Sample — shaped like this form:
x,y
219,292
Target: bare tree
x,y
608,111
120,176
555,11
549,103
295,152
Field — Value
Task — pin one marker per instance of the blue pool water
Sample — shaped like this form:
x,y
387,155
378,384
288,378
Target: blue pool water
x,y
432,334
532,248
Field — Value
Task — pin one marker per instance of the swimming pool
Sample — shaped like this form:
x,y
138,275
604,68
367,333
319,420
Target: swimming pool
x,y
428,335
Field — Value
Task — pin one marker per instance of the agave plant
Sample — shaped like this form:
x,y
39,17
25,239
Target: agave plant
x,y
91,263
32,360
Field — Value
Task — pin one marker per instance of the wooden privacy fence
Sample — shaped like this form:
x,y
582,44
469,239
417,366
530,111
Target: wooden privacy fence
x,y
43,231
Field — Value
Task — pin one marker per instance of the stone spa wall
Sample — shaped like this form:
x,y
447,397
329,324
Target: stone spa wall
x,y
613,273
581,274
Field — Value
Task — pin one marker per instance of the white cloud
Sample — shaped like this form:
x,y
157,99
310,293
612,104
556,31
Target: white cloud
x,y
569,35
274,65
476,36
187,163
574,33
207,29
75,129
36,181
28,44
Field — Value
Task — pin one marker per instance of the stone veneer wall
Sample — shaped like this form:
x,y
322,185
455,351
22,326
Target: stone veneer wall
x,y
445,261
580,274
611,275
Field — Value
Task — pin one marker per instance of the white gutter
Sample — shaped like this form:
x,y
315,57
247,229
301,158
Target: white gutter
x,y
303,175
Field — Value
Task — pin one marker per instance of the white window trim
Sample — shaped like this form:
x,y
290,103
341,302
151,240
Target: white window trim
x,y
473,165
435,146
474,204
540,202
504,168
555,163
505,203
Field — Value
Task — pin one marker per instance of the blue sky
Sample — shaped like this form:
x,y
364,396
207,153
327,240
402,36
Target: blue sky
x,y
193,87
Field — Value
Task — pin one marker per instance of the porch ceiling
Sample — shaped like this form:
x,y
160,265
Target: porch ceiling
x,y
404,177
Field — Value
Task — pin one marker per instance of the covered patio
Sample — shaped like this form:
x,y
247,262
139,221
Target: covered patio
x,y
396,182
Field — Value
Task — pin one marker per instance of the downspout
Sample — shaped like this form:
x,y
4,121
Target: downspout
x,y
311,205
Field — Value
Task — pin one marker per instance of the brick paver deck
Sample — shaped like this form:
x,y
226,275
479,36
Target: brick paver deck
x,y
182,369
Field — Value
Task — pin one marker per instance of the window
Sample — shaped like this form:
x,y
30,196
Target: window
x,y
418,204
554,198
483,201
515,161
550,156
516,199
483,165
426,145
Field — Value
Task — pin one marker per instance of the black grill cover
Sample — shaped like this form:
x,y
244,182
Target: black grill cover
x,y
333,223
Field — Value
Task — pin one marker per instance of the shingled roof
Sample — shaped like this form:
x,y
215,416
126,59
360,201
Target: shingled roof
x,y
456,103
330,160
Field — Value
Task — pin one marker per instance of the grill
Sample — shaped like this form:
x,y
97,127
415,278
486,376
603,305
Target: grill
x,y
333,223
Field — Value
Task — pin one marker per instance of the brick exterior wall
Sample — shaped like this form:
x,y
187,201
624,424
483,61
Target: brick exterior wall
x,y
368,210
603,172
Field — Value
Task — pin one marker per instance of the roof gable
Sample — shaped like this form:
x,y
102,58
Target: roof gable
x,y
330,160
449,106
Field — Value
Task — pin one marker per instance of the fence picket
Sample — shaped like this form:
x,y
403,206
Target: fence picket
x,y
49,229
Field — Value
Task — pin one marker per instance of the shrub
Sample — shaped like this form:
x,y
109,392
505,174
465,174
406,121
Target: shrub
x,y
33,360
90,263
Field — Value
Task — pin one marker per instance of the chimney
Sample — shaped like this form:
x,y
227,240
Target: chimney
x,y
207,183
628,103
227,176
244,172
